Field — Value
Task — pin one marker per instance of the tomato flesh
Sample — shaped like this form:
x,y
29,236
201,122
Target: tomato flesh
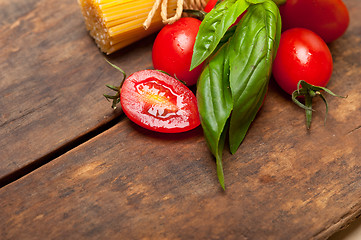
x,y
302,55
159,102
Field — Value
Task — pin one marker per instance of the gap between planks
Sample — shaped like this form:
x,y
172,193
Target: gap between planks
x,y
25,170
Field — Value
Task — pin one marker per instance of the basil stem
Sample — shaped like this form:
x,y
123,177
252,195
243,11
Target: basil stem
x,y
213,28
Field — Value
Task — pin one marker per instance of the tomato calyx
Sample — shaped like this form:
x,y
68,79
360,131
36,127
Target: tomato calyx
x,y
309,91
198,14
116,97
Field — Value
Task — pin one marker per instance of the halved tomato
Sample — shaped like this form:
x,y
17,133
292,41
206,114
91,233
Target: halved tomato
x,y
159,102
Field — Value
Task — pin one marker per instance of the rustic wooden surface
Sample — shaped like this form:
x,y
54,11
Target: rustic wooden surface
x,y
52,79
129,183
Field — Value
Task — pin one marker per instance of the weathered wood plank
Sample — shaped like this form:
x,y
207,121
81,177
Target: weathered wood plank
x,y
128,183
52,78
283,183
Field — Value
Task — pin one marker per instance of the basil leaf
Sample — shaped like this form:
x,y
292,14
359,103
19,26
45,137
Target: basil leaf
x,y
256,1
278,2
225,38
252,49
215,104
213,28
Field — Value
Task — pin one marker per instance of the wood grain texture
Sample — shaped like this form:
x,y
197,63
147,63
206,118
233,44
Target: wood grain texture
x,y
52,78
129,183
284,182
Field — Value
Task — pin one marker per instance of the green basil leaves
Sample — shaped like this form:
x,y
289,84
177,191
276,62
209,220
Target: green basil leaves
x,y
253,48
214,26
235,79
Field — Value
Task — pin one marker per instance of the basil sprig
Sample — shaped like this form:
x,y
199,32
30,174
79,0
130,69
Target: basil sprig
x,y
234,81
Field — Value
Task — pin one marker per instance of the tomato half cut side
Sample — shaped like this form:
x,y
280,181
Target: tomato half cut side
x,y
159,102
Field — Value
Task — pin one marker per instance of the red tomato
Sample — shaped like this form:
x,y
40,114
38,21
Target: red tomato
x,y
173,50
327,18
159,102
302,55
210,5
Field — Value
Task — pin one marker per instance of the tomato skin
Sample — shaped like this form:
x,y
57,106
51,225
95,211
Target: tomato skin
x,y
302,55
173,50
327,18
210,5
159,102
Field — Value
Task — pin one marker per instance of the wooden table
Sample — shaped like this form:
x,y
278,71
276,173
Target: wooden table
x,y
72,168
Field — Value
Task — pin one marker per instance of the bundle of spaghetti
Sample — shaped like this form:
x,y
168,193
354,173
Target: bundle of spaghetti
x,y
115,24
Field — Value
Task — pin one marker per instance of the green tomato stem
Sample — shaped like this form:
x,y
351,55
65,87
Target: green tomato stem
x,y
308,103
309,91
116,97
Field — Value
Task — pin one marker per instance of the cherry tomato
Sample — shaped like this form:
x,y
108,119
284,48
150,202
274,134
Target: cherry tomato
x,y
210,5
173,50
159,102
302,55
327,18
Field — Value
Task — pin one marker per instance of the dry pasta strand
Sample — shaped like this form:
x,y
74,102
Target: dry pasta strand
x,y
115,24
